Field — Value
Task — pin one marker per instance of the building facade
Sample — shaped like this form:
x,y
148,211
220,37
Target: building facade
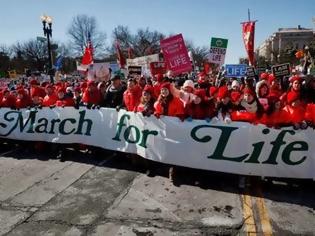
x,y
285,40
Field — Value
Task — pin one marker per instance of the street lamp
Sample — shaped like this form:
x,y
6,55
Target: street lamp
x,y
48,33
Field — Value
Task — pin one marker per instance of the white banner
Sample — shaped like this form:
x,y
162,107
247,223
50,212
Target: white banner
x,y
144,62
238,148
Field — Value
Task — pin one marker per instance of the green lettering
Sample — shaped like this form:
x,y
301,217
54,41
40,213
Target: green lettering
x,y
62,126
44,126
302,146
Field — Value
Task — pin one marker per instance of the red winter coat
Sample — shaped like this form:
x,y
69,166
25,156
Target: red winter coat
x,y
175,108
22,103
244,116
132,98
156,90
310,113
38,91
67,102
50,100
8,101
294,114
91,98
198,111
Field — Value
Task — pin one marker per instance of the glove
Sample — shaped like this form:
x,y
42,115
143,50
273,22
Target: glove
x,y
98,107
215,119
208,120
63,106
93,106
227,120
12,108
88,106
158,116
117,108
40,107
189,119
52,106
304,125
76,106
28,108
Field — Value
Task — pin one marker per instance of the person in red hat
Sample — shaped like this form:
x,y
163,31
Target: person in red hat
x,y
224,105
51,97
91,96
167,104
275,116
275,86
37,100
36,89
295,86
22,100
64,101
199,108
8,100
295,110
251,110
146,105
262,93
157,85
132,95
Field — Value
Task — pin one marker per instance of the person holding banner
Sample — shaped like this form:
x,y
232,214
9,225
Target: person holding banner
x,y
114,93
91,96
132,95
146,105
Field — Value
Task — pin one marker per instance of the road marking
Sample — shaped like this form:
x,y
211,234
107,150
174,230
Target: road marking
x,y
263,214
249,220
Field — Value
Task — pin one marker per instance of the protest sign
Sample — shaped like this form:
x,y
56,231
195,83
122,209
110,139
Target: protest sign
x,y
250,72
198,144
157,68
281,70
236,70
134,70
144,62
98,72
176,54
218,50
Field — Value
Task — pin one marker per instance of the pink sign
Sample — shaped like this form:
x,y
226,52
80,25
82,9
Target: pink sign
x,y
176,54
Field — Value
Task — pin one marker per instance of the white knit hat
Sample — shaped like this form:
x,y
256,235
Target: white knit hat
x,y
188,83
235,83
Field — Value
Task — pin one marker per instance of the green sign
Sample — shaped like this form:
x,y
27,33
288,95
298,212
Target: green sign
x,y
219,43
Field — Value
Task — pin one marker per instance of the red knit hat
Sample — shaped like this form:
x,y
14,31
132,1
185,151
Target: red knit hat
x,y
249,91
166,85
33,82
61,90
235,96
200,93
264,75
223,92
292,96
294,78
148,89
213,90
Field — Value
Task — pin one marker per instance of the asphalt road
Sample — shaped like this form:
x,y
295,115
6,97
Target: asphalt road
x,y
108,194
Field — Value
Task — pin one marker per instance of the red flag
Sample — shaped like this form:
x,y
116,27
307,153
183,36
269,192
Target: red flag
x,y
248,37
120,56
87,58
130,53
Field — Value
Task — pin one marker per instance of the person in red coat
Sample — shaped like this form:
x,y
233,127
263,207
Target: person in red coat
x,y
91,96
146,105
64,101
275,86
295,110
51,97
132,95
35,88
157,85
22,100
37,100
295,86
8,100
199,109
167,104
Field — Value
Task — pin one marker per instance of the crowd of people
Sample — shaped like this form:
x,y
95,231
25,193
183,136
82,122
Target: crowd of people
x,y
272,101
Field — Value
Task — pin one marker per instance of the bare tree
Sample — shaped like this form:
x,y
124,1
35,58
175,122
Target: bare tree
x,y
81,28
144,42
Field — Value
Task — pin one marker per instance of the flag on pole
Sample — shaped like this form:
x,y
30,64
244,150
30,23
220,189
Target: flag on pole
x,y
58,64
87,58
120,56
248,37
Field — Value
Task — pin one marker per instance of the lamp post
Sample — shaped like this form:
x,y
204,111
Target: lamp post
x,y
47,23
